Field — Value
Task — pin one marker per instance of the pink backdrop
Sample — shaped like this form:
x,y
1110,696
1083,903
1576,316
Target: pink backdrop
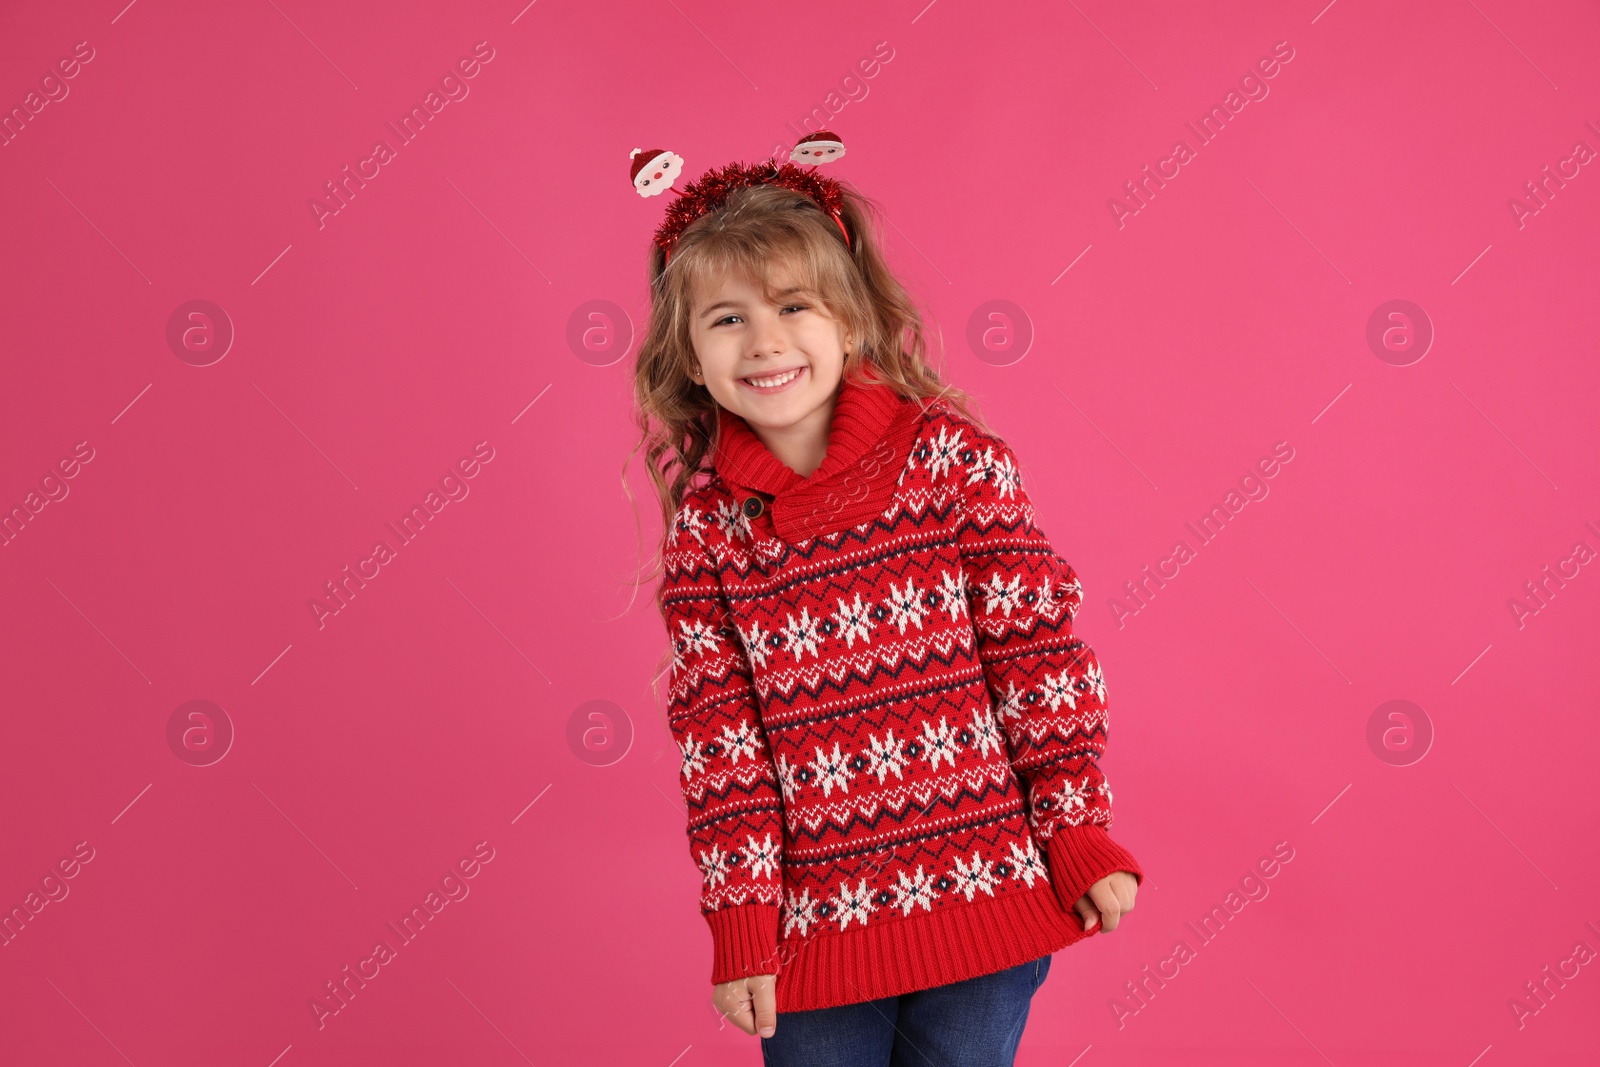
x,y
191,477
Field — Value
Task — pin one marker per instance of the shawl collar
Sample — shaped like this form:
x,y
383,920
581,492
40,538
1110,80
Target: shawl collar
x,y
868,443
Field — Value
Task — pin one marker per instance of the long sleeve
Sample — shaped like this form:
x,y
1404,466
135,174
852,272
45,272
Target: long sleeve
x,y
729,782
1049,694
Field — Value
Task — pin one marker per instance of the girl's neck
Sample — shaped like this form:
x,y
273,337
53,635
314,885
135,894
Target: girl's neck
x,y
801,446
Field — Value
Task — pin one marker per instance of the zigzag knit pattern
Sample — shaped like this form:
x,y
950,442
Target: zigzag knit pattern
x,y
889,732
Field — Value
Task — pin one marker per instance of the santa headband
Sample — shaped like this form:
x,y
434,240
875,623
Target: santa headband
x,y
653,173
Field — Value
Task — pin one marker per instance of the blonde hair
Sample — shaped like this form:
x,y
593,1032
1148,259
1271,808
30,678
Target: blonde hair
x,y
756,228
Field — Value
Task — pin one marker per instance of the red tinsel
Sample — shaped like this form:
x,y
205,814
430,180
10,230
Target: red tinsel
x,y
713,187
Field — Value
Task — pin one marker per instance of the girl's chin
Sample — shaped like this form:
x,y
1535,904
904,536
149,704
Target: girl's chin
x,y
776,413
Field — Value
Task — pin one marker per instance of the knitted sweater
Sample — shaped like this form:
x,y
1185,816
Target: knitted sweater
x,y
888,730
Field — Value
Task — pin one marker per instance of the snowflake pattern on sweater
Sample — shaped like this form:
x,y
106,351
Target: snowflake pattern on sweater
x,y
886,721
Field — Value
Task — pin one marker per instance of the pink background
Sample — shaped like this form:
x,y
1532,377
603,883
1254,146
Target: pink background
x,y
443,705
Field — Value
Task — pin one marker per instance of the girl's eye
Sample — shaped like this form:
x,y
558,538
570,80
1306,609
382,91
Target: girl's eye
x,y
799,307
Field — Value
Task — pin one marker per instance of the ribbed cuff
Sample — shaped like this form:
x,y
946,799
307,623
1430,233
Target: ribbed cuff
x,y
1079,856
744,941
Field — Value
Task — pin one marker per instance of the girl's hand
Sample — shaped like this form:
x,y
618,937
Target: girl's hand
x,y
749,1002
1108,900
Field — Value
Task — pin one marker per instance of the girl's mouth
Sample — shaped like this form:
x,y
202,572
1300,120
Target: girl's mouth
x,y
776,383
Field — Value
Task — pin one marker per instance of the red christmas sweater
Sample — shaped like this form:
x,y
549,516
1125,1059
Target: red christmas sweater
x,y
888,730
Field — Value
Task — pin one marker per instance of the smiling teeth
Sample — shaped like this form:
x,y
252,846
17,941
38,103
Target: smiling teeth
x,y
778,379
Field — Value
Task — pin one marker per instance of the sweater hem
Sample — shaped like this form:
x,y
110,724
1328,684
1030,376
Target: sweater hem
x,y
950,945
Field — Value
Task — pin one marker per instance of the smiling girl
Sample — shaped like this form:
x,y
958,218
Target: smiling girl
x,y
889,731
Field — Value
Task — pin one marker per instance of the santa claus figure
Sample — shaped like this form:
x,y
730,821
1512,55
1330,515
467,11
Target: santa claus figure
x,y
819,148
653,172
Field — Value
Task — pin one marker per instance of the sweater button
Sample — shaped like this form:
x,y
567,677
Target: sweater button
x,y
752,507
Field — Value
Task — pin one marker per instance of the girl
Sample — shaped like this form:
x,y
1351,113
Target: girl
x,y
888,729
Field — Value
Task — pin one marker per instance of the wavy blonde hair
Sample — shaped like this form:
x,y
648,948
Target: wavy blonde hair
x,y
754,230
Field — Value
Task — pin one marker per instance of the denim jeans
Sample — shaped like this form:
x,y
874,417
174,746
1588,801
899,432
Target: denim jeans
x,y
974,1023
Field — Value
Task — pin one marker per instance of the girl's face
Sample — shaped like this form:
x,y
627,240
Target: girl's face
x,y
776,365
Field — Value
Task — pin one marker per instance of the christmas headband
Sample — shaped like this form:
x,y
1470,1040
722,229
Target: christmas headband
x,y
654,172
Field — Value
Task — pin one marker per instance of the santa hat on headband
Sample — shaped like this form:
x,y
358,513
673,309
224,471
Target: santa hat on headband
x,y
653,173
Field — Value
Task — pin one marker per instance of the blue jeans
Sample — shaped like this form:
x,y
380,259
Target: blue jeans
x,y
975,1023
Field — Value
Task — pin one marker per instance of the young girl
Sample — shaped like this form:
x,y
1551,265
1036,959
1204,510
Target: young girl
x,y
888,730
